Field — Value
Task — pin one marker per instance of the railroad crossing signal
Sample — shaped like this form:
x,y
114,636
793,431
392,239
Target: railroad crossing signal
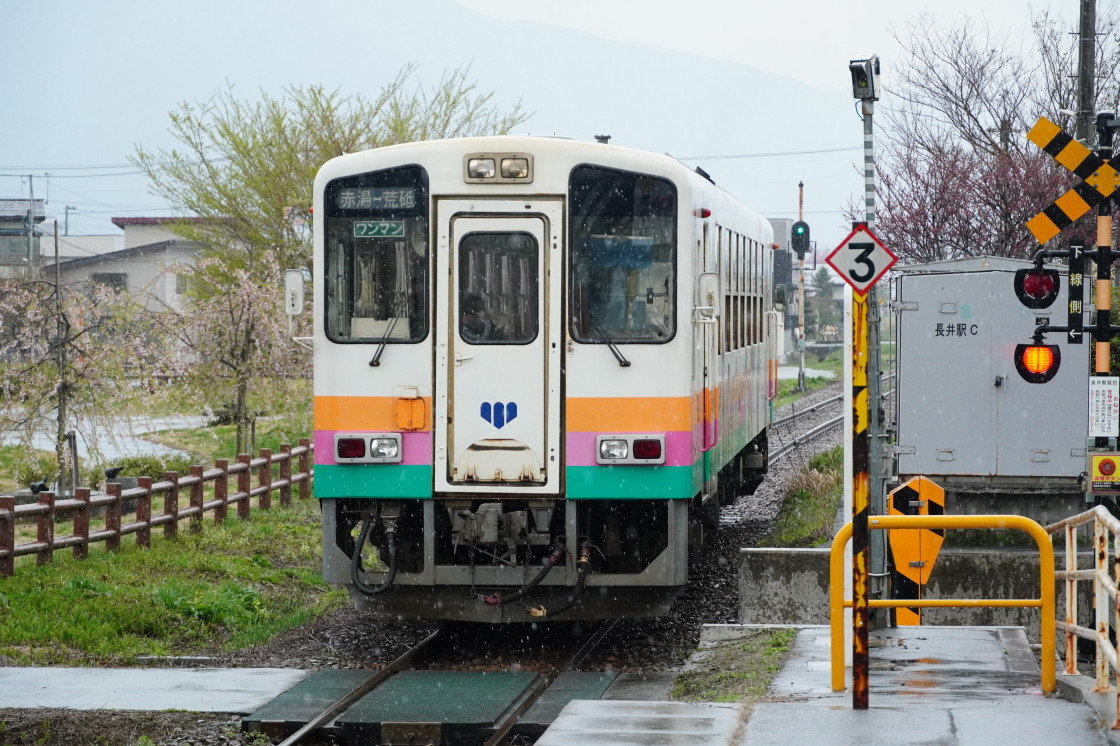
x,y
914,550
1036,287
1100,180
1037,363
861,259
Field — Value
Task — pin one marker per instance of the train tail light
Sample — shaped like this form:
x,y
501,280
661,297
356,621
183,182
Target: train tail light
x,y
1037,363
1036,287
350,448
647,449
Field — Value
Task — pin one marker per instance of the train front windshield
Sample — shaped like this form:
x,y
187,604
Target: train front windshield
x,y
623,256
377,257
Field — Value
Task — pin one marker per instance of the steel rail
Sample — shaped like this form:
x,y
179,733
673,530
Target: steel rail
x,y
812,408
580,654
817,431
357,693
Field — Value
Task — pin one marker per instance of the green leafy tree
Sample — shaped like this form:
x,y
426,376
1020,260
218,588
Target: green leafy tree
x,y
246,169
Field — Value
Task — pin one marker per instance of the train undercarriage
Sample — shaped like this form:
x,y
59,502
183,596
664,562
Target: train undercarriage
x,y
499,558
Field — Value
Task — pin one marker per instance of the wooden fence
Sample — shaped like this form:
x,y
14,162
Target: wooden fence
x,y
48,510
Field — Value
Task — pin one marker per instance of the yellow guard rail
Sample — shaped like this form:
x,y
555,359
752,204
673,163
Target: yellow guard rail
x,y
837,602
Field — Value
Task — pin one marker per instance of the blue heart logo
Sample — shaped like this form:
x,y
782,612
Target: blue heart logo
x,y
499,414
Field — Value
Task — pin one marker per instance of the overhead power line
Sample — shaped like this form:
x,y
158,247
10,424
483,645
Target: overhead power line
x,y
771,155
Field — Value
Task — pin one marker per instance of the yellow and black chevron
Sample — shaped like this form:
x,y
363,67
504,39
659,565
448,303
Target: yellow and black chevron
x,y
1100,180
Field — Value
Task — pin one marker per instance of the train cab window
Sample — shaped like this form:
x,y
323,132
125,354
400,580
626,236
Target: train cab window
x,y
498,281
376,257
622,271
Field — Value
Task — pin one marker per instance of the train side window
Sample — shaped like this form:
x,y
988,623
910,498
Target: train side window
x,y
622,262
376,257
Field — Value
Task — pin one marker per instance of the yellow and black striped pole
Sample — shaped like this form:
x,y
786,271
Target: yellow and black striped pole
x,y
861,504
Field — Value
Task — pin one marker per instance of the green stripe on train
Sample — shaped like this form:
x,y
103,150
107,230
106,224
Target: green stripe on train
x,y
373,480
633,482
584,482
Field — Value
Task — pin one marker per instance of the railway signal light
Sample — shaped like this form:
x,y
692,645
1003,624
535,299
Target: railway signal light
x,y
1037,363
799,238
1036,287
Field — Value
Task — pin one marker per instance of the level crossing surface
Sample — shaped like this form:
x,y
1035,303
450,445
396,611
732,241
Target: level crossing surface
x,y
928,685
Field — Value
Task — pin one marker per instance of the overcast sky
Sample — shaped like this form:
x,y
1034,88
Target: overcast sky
x,y
88,81
810,40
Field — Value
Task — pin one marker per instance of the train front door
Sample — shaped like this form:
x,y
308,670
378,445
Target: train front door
x,y
498,347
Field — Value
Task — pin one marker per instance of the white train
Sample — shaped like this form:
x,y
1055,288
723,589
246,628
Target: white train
x,y
540,364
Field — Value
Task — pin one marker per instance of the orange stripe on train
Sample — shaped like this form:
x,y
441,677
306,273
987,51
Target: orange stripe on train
x,y
638,414
390,413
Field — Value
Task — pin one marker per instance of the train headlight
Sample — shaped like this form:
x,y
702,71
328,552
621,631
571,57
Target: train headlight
x,y
515,168
613,450
630,449
498,168
480,168
385,448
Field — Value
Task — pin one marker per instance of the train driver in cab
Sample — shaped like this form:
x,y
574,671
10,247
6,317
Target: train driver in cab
x,y
475,324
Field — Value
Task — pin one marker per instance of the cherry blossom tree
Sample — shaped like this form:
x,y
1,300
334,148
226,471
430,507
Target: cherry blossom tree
x,y
70,355
234,340
957,177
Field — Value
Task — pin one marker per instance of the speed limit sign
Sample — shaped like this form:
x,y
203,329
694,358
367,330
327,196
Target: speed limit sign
x,y
861,259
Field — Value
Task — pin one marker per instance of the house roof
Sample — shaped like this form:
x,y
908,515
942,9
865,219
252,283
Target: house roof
x,y
129,253
16,209
123,222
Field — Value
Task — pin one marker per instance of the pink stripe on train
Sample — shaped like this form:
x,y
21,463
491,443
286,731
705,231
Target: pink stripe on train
x,y
416,448
581,448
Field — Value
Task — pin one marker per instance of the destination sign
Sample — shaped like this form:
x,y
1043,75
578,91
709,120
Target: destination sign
x,y
376,198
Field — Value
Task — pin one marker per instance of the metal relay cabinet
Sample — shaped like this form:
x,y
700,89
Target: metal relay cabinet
x,y
964,416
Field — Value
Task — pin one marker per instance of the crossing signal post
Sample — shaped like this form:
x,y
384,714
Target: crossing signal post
x,y
799,242
1098,188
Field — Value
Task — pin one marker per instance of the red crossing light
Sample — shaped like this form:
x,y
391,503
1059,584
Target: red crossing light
x,y
1037,363
1036,287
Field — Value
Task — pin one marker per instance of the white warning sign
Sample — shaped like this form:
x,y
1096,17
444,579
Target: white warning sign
x,y
1104,406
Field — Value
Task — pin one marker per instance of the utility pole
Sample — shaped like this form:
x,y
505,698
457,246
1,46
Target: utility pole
x,y
1086,73
801,294
30,225
61,440
66,225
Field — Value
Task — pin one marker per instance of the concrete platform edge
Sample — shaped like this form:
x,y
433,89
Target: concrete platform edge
x,y
1079,688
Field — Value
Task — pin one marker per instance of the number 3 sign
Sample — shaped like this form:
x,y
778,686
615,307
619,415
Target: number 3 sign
x,y
861,259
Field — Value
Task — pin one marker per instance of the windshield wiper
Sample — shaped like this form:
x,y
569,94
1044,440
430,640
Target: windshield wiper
x,y
402,306
376,361
623,362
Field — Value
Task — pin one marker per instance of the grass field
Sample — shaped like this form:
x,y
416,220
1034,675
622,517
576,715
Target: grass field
x,y
226,587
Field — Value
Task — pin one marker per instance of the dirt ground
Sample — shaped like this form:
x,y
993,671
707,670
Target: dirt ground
x,y
54,727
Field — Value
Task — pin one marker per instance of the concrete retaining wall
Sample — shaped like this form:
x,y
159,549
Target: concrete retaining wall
x,y
790,586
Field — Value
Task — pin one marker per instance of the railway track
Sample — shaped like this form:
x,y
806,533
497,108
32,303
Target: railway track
x,y
796,429
426,729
